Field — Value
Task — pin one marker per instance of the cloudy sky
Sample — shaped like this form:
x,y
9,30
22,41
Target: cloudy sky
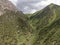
x,y
31,6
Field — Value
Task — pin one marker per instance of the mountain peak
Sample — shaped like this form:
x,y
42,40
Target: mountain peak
x,y
52,5
6,4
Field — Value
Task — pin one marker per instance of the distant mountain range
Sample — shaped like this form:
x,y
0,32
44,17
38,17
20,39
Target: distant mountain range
x,y
39,28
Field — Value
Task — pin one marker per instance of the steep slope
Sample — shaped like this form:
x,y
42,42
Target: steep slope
x,y
45,17
46,25
14,29
49,35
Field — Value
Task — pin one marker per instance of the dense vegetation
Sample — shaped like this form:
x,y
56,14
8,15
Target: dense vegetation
x,y
46,25
13,28
40,28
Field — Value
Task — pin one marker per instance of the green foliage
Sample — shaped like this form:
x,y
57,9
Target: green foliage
x,y
13,26
40,28
46,24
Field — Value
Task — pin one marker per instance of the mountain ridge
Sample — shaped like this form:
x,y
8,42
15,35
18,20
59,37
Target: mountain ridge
x,y
6,5
47,25
49,11
40,28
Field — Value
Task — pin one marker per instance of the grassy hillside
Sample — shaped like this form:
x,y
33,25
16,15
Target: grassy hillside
x,y
49,35
14,29
46,25
45,17
40,28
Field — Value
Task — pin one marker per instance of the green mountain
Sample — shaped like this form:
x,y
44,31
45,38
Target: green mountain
x,y
45,17
40,28
46,24
14,28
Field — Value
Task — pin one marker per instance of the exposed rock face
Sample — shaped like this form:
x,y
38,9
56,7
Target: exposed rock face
x,y
6,4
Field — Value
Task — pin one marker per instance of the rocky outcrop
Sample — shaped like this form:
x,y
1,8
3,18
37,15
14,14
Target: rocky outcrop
x,y
6,4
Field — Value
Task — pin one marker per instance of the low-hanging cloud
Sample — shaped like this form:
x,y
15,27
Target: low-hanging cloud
x,y
31,6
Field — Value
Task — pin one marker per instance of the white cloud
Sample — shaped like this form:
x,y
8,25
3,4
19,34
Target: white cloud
x,y
31,6
26,7
32,11
13,1
56,2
